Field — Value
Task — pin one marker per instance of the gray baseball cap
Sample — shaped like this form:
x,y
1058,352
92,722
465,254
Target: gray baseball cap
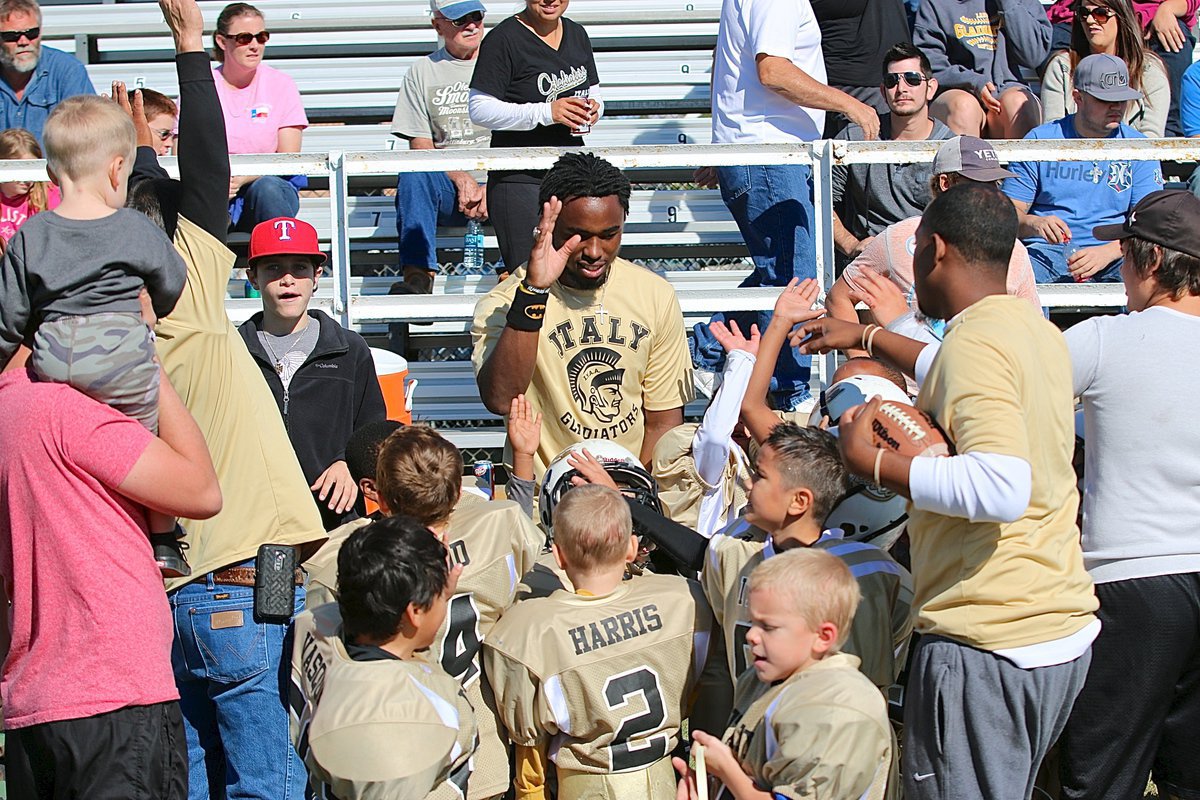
x,y
971,157
1104,77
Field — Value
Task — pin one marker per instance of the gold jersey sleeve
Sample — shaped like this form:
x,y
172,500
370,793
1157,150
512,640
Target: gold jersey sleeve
x,y
606,680
496,543
350,718
822,733
725,577
322,565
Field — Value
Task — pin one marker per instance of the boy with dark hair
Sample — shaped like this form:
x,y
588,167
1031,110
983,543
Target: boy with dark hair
x,y
805,722
362,452
322,375
357,667
419,473
568,666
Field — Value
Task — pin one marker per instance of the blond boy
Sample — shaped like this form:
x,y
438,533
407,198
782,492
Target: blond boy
x,y
806,721
363,691
72,278
600,680
798,479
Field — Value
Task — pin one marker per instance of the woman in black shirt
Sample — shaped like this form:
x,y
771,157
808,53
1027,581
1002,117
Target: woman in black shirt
x,y
535,85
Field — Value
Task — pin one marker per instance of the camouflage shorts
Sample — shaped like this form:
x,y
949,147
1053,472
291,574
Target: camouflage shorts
x,y
109,357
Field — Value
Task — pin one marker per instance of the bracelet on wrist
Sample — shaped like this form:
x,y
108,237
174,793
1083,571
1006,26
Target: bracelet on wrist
x,y
528,309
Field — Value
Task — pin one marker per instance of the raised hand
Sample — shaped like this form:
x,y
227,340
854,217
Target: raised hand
x,y
731,337
524,427
132,105
880,294
590,470
795,303
186,24
546,263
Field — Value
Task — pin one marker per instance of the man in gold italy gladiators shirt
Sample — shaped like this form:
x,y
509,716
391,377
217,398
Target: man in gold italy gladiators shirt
x,y
595,342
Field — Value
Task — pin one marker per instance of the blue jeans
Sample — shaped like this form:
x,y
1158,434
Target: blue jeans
x,y
233,693
773,208
265,198
1050,265
424,200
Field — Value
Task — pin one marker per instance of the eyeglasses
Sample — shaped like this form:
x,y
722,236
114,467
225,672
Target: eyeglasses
x,y
462,22
243,39
164,134
1099,14
12,37
892,79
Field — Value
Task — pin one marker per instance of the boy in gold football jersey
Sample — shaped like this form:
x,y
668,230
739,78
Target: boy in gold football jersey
x,y
599,680
361,690
806,721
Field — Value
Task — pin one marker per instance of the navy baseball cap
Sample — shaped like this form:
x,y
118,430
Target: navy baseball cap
x,y
1168,217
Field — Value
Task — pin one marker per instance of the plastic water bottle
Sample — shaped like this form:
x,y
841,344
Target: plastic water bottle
x,y
473,246
251,291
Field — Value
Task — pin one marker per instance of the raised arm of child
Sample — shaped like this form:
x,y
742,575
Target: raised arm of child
x,y
794,305
524,436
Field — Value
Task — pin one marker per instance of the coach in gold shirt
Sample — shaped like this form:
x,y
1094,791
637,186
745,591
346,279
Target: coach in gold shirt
x,y
595,342
1005,606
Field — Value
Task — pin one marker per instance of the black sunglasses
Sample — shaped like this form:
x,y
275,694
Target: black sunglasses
x,y
244,39
892,79
12,37
1099,14
464,21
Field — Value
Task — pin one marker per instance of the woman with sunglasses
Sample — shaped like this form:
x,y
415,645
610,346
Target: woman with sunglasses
x,y
1166,28
535,85
263,114
1110,26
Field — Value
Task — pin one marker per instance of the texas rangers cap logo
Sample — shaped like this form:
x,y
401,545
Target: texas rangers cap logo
x,y
285,227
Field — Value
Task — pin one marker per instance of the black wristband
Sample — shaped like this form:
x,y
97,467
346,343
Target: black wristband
x,y
528,309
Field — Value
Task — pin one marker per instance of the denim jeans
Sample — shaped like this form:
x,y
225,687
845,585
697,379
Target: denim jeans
x,y
265,198
424,200
232,676
773,208
1050,265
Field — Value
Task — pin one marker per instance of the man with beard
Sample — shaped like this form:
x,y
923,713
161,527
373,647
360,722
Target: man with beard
x,y
35,78
594,342
869,197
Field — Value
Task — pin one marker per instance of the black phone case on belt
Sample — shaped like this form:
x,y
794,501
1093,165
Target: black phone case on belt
x,y
275,583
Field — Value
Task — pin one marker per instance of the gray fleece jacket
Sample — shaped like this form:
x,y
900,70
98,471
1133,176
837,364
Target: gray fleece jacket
x,y
972,42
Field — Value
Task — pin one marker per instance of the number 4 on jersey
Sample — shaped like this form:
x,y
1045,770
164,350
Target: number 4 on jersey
x,y
460,647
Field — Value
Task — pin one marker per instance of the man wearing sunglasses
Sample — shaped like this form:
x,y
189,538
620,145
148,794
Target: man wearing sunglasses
x,y
431,113
33,79
869,197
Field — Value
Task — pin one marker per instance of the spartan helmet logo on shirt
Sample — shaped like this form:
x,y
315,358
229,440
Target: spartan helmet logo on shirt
x,y
596,382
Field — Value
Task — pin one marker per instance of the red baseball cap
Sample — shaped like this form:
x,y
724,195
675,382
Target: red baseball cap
x,y
285,236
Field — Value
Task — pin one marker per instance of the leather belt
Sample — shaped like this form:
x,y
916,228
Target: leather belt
x,y
244,576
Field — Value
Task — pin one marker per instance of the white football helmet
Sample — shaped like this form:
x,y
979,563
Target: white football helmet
x,y
621,464
868,513
854,391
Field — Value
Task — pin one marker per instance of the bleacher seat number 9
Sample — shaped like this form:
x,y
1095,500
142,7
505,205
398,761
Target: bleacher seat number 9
x,y
626,750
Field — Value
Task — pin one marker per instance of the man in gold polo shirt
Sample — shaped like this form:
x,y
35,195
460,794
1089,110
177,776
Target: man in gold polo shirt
x,y
1005,605
595,343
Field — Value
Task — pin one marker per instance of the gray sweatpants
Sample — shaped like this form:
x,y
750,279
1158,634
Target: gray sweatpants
x,y
976,726
108,357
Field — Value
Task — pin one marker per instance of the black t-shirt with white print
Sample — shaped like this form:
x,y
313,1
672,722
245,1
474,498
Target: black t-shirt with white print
x,y
516,66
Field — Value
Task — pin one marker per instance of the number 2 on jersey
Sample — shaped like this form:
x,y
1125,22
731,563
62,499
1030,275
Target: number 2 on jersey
x,y
460,645
626,753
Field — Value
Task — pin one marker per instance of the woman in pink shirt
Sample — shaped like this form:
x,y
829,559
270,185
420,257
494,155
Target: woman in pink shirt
x,y
263,114
20,200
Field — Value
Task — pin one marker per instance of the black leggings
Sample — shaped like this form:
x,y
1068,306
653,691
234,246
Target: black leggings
x,y
513,211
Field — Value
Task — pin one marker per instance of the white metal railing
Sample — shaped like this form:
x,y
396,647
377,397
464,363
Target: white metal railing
x,y
341,167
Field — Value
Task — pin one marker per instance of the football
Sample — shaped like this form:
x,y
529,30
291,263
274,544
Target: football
x,y
908,431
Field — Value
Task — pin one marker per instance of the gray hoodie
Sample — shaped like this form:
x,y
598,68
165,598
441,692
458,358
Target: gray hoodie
x,y
972,42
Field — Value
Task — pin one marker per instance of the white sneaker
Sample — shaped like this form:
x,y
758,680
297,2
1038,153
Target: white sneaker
x,y
706,382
